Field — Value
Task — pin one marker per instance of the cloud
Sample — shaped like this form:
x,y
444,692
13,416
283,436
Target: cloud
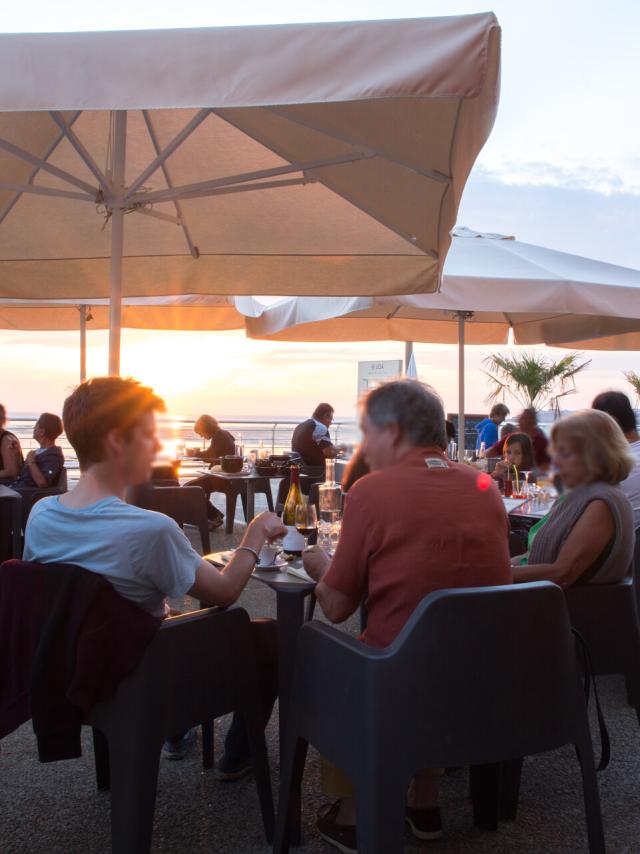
x,y
597,177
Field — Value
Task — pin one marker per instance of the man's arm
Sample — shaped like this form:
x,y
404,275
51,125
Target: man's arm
x,y
587,540
34,469
336,606
222,587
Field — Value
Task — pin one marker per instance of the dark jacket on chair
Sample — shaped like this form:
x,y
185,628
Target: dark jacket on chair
x,y
66,640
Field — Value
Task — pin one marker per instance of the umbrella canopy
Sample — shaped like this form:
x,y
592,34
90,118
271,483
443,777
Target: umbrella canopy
x,y
491,284
189,312
497,283
312,158
179,313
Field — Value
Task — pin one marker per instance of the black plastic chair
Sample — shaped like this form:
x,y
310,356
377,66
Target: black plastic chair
x,y
187,505
198,667
233,488
606,615
477,676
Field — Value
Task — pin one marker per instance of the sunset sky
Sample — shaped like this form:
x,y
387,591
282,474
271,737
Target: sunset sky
x,y
561,168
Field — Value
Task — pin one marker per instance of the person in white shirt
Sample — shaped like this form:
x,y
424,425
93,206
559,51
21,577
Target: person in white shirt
x,y
617,404
110,422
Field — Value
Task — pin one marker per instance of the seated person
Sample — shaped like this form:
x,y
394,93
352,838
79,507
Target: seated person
x,y
356,468
528,423
618,406
588,536
518,456
110,422
487,429
416,524
222,444
312,440
11,459
42,467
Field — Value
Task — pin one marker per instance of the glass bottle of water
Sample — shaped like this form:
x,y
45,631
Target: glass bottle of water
x,y
330,494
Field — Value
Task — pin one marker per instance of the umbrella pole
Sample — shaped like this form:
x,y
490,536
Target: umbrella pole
x,y
461,435
408,352
83,343
117,237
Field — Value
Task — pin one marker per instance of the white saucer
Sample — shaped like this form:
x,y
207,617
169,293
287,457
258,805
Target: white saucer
x,y
273,567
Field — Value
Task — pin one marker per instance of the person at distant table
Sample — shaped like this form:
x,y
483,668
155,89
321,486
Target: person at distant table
x,y
221,444
487,429
11,459
617,405
42,467
312,440
528,424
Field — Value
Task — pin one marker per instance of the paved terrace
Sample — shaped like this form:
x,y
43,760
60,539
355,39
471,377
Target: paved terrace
x,y
55,808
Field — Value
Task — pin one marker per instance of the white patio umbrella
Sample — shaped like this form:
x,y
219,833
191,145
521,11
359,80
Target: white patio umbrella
x,y
308,158
188,312
491,284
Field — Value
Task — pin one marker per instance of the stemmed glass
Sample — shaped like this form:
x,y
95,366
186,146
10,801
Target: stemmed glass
x,y
306,521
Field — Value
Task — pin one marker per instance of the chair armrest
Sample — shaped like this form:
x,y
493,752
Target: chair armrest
x,y
320,636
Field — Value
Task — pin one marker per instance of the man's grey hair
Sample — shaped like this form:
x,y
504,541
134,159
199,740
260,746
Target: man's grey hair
x,y
415,407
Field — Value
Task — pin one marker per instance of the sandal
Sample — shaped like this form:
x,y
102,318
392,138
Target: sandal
x,y
341,836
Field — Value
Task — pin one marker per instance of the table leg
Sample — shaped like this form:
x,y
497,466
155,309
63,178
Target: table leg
x,y
251,500
290,608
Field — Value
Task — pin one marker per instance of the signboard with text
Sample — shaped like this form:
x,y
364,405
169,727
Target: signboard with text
x,y
371,374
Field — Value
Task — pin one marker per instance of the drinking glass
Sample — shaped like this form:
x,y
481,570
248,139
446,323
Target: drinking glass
x,y
525,486
306,521
468,456
452,450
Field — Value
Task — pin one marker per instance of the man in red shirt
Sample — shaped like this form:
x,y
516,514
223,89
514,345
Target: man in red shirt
x,y
417,523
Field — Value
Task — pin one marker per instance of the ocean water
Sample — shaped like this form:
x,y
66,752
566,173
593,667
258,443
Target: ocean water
x,y
274,434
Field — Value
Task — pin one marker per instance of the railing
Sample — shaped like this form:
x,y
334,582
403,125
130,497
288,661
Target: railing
x,y
274,434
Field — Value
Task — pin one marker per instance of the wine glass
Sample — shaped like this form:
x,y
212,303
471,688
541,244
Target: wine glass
x,y
306,521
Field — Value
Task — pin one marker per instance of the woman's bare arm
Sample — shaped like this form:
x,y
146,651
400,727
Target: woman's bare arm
x,y
9,457
588,539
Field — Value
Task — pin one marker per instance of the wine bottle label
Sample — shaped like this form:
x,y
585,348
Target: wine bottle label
x,y
292,541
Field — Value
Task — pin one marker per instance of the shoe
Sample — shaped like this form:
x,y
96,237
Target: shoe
x,y
232,769
212,524
424,823
177,748
341,836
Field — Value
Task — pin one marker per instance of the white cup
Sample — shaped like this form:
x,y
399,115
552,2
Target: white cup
x,y
268,554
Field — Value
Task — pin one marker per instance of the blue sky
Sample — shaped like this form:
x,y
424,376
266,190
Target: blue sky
x,y
561,168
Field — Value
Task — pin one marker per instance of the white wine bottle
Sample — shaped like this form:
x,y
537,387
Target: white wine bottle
x,y
293,542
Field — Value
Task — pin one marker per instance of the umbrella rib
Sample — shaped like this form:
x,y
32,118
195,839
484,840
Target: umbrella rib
x,y
204,188
45,191
433,174
165,152
56,142
157,215
193,249
47,167
81,150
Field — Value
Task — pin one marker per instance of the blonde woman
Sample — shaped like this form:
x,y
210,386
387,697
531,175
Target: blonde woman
x,y
588,537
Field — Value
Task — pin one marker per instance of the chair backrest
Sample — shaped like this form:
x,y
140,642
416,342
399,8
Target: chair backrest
x,y
182,503
199,663
486,673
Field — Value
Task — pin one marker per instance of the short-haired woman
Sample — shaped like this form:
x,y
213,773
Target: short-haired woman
x,y
588,537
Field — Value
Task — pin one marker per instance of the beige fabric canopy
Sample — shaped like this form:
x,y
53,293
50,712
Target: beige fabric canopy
x,y
190,312
302,159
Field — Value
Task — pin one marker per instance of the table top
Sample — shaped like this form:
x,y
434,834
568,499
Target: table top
x,y
240,475
532,508
6,492
276,579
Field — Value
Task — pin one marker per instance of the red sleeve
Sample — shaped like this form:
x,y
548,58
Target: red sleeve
x,y
349,568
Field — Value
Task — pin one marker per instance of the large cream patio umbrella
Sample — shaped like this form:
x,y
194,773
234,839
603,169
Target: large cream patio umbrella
x,y
492,284
301,159
187,312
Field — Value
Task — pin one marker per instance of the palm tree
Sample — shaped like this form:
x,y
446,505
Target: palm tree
x,y
532,378
634,380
